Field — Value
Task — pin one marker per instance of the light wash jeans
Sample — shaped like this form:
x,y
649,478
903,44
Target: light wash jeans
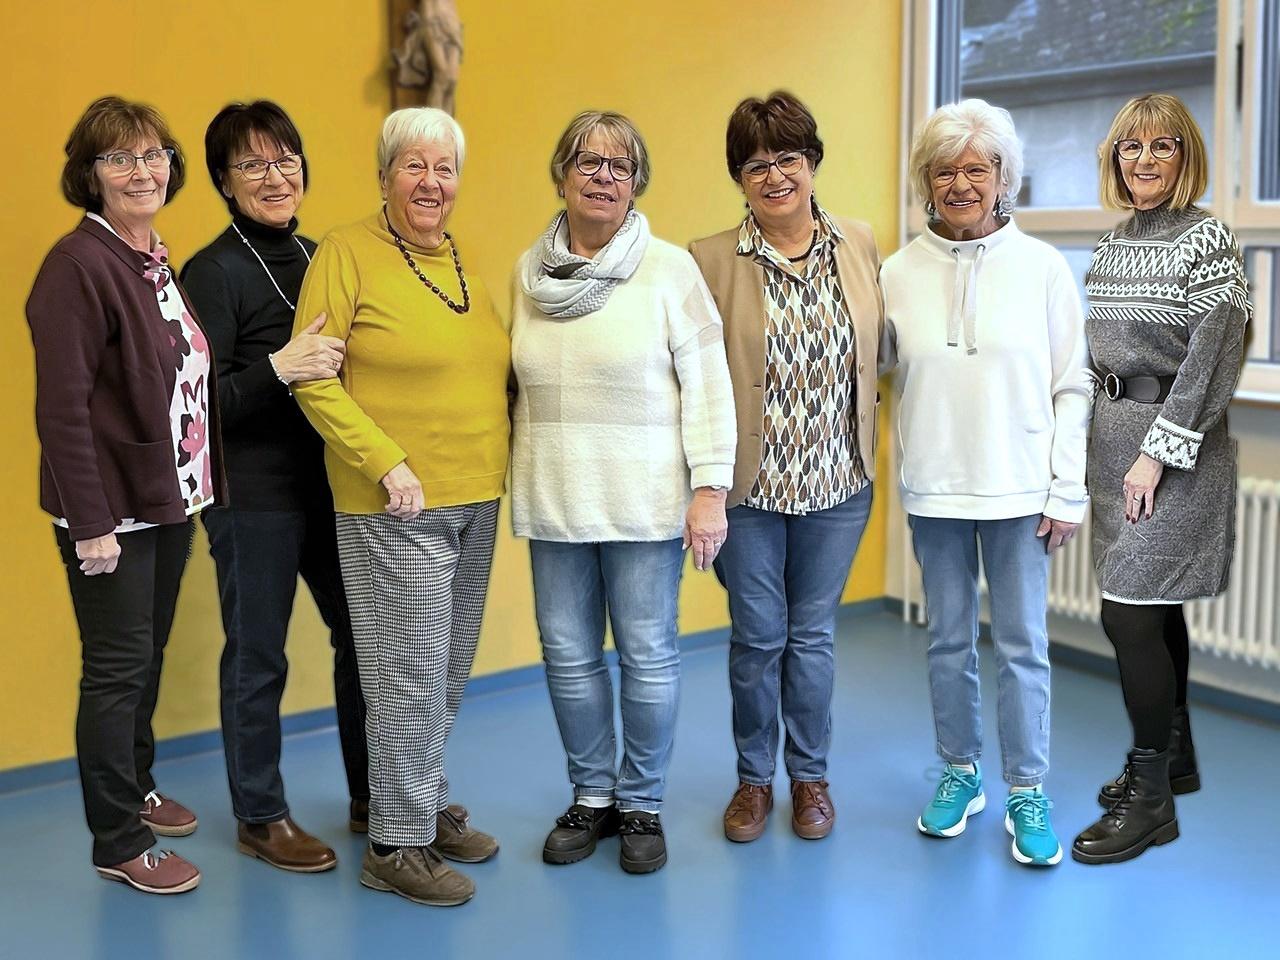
x,y
784,575
1017,569
638,583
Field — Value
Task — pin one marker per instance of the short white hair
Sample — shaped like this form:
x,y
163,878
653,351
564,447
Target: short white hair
x,y
418,125
954,128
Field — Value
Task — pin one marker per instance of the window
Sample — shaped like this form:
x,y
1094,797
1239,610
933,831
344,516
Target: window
x,y
1063,67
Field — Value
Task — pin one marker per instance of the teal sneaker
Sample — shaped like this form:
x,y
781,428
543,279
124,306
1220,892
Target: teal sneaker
x,y
1026,817
959,796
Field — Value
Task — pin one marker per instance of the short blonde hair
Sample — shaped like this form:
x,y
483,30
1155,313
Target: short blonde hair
x,y
1154,114
418,125
956,127
616,127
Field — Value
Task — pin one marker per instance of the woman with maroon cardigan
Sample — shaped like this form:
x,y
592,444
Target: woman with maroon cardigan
x,y
127,418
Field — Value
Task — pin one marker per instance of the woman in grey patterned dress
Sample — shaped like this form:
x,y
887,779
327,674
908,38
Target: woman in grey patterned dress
x,y
1167,315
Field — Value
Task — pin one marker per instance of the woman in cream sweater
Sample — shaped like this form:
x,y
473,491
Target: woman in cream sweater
x,y
623,453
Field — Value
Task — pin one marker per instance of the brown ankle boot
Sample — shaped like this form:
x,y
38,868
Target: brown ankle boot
x,y
284,844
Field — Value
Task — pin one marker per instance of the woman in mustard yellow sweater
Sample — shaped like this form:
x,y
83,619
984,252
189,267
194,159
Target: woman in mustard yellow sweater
x,y
416,429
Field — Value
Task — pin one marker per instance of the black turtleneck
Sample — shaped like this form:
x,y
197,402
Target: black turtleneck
x,y
274,459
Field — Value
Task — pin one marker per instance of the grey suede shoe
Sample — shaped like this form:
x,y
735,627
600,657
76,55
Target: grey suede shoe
x,y
417,874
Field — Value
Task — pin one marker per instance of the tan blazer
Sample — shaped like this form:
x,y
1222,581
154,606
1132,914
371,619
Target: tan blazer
x,y
737,285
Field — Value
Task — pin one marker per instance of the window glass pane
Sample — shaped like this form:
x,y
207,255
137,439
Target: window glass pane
x,y
1268,105
1064,67
1262,266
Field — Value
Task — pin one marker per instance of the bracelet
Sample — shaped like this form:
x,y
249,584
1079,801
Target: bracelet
x,y
271,359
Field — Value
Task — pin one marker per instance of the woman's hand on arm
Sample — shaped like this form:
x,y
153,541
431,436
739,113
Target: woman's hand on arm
x,y
1140,488
404,492
310,355
705,525
99,555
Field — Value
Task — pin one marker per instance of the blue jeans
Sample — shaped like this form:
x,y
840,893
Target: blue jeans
x,y
573,584
1017,569
785,575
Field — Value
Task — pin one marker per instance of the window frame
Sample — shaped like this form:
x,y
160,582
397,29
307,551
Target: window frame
x,y
1235,161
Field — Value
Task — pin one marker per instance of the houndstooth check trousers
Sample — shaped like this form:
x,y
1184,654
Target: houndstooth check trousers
x,y
416,591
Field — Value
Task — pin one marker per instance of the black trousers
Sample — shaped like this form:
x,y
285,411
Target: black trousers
x,y
259,556
124,619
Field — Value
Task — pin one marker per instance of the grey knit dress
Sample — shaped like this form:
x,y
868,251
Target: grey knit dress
x,y
1167,297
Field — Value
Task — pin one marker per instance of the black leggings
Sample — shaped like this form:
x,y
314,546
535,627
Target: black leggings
x,y
1152,652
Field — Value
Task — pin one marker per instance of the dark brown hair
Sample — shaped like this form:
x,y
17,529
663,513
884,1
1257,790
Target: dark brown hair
x,y
229,133
780,122
108,124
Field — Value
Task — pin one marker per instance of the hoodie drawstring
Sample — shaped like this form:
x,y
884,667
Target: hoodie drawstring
x,y
964,302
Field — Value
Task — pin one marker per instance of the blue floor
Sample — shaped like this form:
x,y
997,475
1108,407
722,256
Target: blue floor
x,y
875,888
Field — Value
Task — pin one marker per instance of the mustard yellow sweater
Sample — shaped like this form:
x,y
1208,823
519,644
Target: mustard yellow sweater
x,y
420,383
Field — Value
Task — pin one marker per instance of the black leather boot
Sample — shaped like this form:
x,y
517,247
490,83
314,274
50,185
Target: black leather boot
x,y
1184,775
1143,816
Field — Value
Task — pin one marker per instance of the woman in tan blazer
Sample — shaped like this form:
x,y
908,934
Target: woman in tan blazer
x,y
796,288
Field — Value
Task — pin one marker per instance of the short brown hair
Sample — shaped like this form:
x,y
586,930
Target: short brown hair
x,y
615,126
780,122
109,123
1154,114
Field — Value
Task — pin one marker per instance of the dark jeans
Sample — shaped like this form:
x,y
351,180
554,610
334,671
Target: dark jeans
x,y
259,556
124,619
784,575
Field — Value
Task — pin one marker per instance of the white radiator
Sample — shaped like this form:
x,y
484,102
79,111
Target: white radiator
x,y
1243,623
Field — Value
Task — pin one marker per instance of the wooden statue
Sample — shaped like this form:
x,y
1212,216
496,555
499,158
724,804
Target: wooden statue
x,y
426,41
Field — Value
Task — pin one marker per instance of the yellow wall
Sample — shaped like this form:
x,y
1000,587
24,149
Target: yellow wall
x,y
677,68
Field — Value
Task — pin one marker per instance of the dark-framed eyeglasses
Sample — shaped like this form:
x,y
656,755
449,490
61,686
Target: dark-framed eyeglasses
x,y
973,172
288,165
1162,148
588,163
121,162
788,163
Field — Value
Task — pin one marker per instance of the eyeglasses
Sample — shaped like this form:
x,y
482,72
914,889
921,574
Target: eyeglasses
x,y
757,170
1162,148
122,162
288,165
589,164
974,173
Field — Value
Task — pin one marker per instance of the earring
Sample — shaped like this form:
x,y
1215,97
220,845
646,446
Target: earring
x,y
930,210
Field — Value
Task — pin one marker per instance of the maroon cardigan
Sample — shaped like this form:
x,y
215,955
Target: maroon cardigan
x,y
105,372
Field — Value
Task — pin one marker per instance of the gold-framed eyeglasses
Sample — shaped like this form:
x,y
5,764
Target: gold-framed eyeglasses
x,y
288,165
122,162
589,163
973,172
755,171
1162,148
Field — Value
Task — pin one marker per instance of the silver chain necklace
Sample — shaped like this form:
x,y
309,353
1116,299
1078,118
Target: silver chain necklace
x,y
263,264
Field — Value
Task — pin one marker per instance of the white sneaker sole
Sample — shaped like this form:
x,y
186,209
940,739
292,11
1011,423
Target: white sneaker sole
x,y
976,805
1022,857
110,873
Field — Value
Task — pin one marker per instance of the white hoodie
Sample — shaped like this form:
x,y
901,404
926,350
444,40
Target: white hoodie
x,y
994,400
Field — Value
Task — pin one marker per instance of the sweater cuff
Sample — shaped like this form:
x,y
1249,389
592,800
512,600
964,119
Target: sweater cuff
x,y
259,379
711,475
381,460
1172,445
90,531
1066,511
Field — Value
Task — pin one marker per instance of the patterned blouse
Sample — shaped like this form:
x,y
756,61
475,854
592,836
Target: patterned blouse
x,y
809,456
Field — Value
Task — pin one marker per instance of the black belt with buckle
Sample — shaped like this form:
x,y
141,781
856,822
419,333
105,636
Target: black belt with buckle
x,y
1137,389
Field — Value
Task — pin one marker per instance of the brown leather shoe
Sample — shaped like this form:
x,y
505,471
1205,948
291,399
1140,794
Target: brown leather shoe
x,y
812,812
156,871
284,844
358,818
167,817
455,840
417,874
748,812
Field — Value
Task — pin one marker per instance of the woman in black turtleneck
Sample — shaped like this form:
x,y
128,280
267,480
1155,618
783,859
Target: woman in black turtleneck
x,y
279,523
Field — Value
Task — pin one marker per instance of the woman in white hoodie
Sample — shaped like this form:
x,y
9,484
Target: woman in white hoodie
x,y
985,324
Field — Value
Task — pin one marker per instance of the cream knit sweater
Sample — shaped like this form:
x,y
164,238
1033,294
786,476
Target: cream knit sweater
x,y
621,413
